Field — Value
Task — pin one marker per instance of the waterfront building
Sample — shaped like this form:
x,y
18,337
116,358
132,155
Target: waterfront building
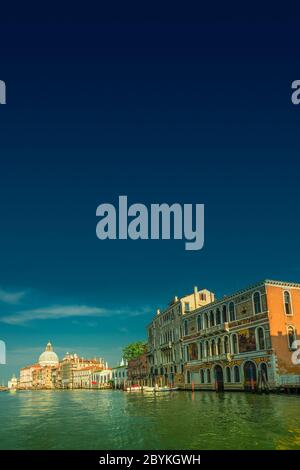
x,y
82,378
40,375
12,383
72,363
56,376
137,370
165,356
26,376
245,341
119,375
102,378
50,373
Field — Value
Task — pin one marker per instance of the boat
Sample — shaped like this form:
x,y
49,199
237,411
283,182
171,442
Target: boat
x,y
134,388
165,389
149,389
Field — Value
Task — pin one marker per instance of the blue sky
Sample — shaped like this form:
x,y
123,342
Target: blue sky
x,y
189,108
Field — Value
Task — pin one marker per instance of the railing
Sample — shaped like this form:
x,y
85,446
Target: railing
x,y
219,357
213,330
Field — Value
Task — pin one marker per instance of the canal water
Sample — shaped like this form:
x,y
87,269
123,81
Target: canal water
x,y
83,419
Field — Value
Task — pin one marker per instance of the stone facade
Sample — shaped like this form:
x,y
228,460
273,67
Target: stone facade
x,y
165,358
243,341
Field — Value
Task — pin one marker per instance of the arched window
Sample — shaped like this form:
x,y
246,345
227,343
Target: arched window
x,y
260,338
213,348
287,303
187,353
234,344
202,376
205,320
200,350
218,316
291,336
207,350
208,376
219,346
186,328
199,323
228,374
236,374
231,312
224,314
257,302
226,345
211,318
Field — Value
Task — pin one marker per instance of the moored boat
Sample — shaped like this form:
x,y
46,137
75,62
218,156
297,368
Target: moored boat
x,y
166,389
149,389
134,388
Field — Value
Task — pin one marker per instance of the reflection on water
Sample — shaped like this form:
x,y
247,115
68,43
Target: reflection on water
x,y
86,419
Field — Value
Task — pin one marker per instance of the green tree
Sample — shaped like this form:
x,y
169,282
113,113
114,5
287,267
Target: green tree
x,y
134,350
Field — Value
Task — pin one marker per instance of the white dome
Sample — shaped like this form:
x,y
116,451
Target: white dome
x,y
48,357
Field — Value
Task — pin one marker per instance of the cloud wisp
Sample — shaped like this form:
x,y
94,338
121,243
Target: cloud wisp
x,y
11,298
57,312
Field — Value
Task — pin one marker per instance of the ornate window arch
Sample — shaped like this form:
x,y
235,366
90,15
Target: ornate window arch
x,y
213,347
224,314
257,302
260,338
287,303
228,374
231,309
199,322
200,350
234,344
219,347
226,345
218,316
236,374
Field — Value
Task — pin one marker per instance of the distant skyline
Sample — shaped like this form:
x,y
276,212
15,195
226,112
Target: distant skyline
x,y
165,108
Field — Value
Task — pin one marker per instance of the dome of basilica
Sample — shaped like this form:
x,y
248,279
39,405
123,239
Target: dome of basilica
x,y
48,357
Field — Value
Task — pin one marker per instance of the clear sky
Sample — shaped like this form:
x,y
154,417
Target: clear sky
x,y
188,107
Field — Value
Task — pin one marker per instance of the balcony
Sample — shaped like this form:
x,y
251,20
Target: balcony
x,y
214,330
220,357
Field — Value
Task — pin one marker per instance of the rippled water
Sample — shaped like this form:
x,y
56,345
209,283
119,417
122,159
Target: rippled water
x,y
86,419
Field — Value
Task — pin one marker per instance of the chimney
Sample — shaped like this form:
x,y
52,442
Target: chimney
x,y
196,296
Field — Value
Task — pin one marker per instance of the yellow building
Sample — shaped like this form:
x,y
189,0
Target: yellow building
x,y
165,356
